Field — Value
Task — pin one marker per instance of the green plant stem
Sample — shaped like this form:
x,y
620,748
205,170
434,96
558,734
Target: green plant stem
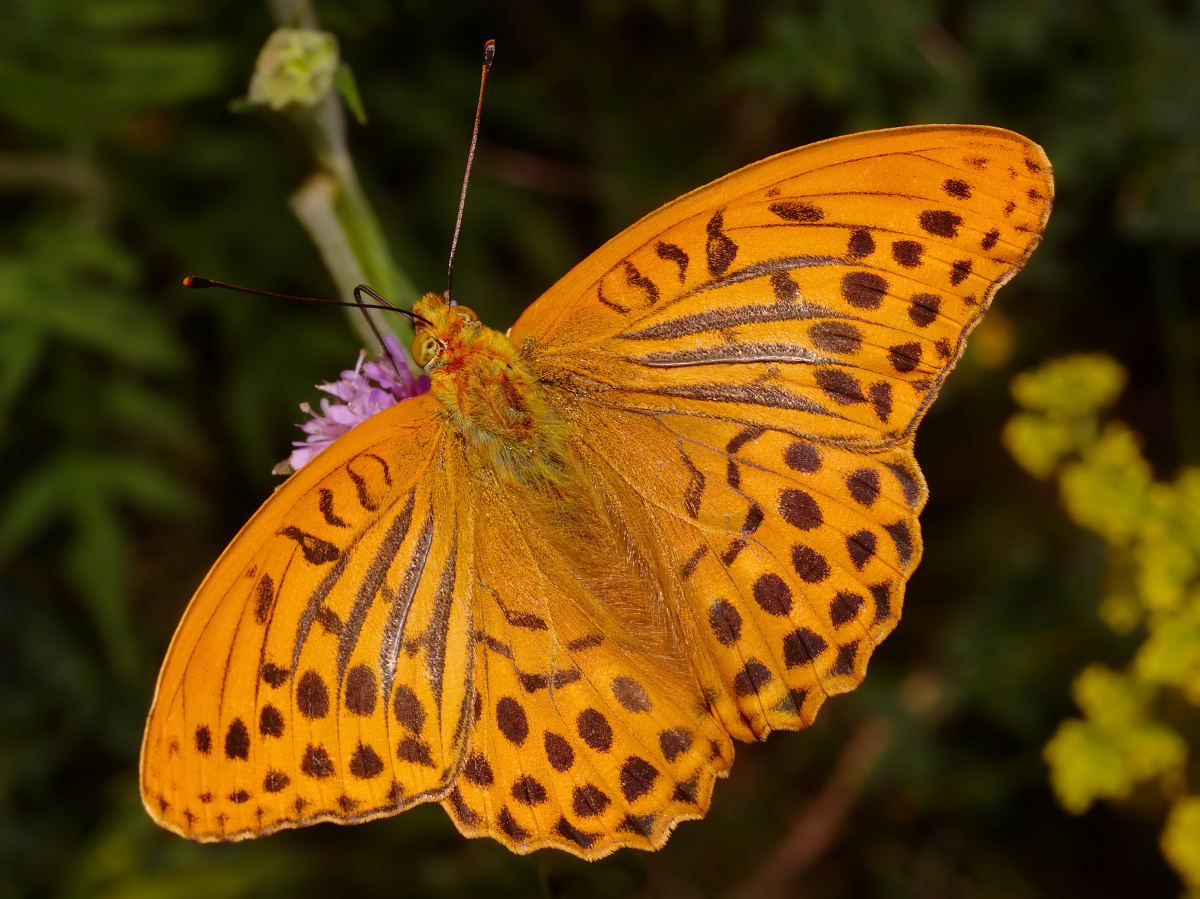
x,y
293,13
334,209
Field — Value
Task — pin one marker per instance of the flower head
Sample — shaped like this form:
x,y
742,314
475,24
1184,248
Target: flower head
x,y
359,393
295,69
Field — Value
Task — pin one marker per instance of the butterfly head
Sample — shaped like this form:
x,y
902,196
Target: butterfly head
x,y
441,329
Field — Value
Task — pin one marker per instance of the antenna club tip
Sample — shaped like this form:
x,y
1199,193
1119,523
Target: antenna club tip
x,y
198,283
489,52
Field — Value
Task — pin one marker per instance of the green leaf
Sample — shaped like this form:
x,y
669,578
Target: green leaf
x,y
344,81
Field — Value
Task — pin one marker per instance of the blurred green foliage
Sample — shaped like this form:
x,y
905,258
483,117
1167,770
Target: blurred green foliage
x,y
1130,732
140,421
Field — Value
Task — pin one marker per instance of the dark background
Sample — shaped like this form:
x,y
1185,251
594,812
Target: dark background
x,y
140,421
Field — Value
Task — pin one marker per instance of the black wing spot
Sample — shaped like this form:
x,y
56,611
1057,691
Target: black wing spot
x,y
861,244
845,607
957,188
902,537
316,551
841,338
270,721
881,594
839,386
312,696
511,719
864,290
368,502
802,646
237,740
325,504
861,547
264,598
616,307
579,644
863,485
462,811
675,254
881,399
329,620
362,690
695,489
725,622
796,211
809,564
719,248
940,222
786,290
905,357
365,762
752,678
907,253
636,279
924,309
274,675
744,436
845,659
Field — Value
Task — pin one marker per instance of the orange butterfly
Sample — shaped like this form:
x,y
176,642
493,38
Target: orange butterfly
x,y
675,505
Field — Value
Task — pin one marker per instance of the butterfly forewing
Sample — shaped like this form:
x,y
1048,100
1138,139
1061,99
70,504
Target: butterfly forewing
x,y
828,289
322,671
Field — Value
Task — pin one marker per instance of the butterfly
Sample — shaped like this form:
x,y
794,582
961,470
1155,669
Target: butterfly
x,y
674,506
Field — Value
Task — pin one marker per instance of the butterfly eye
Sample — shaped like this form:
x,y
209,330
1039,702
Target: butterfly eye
x,y
424,348
465,312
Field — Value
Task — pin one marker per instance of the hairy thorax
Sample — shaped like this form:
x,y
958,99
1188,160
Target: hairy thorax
x,y
490,394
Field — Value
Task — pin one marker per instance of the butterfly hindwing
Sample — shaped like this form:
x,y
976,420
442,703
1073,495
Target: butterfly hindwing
x,y
582,738
788,559
319,673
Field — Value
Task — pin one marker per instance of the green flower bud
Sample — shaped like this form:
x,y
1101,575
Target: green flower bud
x,y
295,69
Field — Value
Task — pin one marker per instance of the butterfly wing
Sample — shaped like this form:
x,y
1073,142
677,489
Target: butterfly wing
x,y
586,736
395,626
322,671
746,367
785,558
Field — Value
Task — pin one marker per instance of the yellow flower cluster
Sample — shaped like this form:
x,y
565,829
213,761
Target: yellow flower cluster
x,y
1152,531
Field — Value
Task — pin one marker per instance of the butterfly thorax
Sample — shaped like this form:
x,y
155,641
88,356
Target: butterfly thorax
x,y
488,392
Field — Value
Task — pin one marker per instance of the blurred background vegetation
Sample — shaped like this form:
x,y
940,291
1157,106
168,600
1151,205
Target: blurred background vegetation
x,y
140,421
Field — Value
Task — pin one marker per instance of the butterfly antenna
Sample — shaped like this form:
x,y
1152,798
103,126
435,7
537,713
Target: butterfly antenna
x,y
381,303
412,317
489,53
387,305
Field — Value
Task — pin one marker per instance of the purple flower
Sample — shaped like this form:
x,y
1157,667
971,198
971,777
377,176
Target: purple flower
x,y
359,393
